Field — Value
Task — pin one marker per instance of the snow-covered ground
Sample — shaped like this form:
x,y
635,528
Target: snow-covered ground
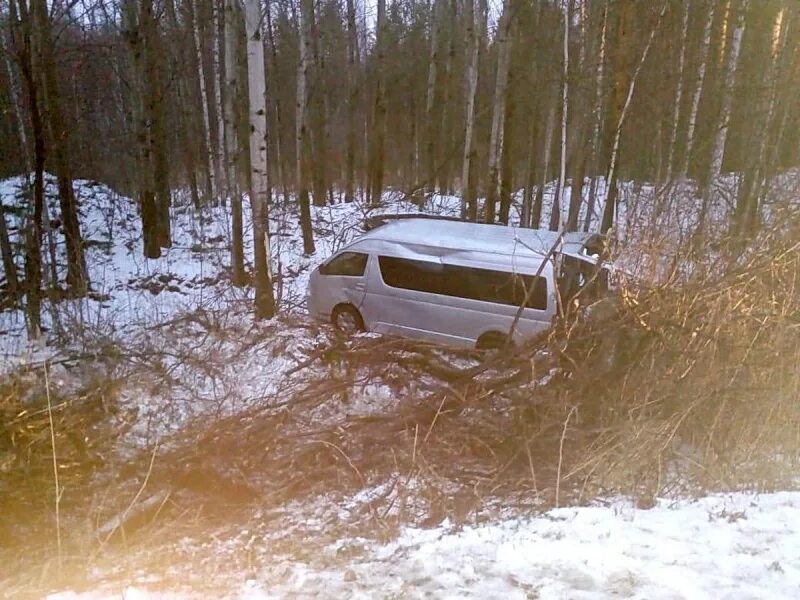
x,y
182,316
720,547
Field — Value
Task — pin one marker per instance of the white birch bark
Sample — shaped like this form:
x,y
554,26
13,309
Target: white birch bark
x,y
204,99
698,92
721,137
676,114
259,193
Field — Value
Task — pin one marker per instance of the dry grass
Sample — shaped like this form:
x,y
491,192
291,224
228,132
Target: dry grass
x,y
692,384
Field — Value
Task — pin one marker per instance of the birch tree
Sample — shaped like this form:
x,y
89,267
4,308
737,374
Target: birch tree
x,y
259,177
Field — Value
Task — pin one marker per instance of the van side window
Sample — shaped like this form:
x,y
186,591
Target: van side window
x,y
350,264
487,285
418,275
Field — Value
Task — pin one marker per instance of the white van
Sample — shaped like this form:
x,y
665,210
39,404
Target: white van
x,y
451,282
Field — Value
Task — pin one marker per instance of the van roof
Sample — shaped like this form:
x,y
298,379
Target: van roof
x,y
481,237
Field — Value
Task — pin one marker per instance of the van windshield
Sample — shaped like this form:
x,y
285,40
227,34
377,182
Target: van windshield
x,y
486,285
351,264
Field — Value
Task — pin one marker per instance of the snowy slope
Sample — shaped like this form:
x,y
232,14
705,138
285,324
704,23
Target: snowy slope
x,y
721,547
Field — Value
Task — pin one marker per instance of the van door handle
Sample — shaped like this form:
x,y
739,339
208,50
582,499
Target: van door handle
x,y
360,287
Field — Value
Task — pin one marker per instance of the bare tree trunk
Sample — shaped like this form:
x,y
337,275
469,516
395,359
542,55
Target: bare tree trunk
x,y
530,182
135,37
507,162
536,211
558,220
431,126
676,114
77,275
377,141
184,113
444,168
499,112
155,100
205,108
22,31
698,91
353,62
746,214
598,118
10,270
301,125
279,140
259,192
469,201
231,143
621,112
217,77
721,137
317,118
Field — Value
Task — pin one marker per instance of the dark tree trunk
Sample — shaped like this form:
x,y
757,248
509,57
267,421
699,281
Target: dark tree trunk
x,y
77,278
352,102
9,268
154,109
376,153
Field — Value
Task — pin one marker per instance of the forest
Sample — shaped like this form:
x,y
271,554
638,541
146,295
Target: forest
x,y
173,173
354,99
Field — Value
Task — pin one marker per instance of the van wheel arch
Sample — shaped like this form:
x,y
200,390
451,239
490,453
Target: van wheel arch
x,y
347,318
492,340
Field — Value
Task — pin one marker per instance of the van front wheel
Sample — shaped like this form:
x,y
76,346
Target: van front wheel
x,y
347,319
491,340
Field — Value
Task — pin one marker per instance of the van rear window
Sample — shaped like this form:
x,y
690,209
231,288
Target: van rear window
x,y
487,285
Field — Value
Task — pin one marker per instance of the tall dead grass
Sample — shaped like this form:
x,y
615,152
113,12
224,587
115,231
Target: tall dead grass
x,y
693,383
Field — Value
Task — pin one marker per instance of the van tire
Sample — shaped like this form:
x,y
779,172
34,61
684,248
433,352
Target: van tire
x,y
347,319
491,340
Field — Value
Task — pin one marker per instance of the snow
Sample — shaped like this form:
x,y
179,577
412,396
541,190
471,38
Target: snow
x,y
729,546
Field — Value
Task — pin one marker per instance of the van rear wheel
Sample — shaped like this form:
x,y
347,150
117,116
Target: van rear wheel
x,y
491,340
347,319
